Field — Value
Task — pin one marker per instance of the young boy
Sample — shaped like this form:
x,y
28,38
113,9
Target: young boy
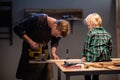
x,y
98,44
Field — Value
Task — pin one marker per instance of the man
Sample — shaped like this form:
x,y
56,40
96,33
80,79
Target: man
x,y
37,31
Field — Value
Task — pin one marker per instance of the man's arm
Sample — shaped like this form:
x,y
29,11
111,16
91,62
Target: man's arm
x,y
32,44
53,54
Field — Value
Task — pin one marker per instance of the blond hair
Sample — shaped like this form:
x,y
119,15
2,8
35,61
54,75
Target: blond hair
x,y
93,19
64,27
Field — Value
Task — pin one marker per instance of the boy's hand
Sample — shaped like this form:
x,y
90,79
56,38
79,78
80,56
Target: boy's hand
x,y
83,59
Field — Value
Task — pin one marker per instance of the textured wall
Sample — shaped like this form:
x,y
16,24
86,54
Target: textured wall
x,y
9,55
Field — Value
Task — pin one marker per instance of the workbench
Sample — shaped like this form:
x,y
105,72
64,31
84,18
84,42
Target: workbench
x,y
76,70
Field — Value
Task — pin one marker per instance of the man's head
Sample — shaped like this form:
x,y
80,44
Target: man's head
x,y
62,27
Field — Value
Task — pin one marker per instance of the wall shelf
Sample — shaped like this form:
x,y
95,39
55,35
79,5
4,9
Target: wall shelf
x,y
69,14
6,20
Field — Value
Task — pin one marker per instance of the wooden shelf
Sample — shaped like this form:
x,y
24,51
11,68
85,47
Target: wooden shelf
x,y
56,13
69,14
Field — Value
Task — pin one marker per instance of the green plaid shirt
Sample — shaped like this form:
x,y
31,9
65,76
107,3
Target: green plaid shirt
x,y
98,45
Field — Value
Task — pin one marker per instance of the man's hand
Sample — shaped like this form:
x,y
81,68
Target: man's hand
x,y
35,46
54,56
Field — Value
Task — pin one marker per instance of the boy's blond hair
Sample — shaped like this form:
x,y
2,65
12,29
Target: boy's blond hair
x,y
93,19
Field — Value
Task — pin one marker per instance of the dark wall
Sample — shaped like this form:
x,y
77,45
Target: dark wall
x,y
9,55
